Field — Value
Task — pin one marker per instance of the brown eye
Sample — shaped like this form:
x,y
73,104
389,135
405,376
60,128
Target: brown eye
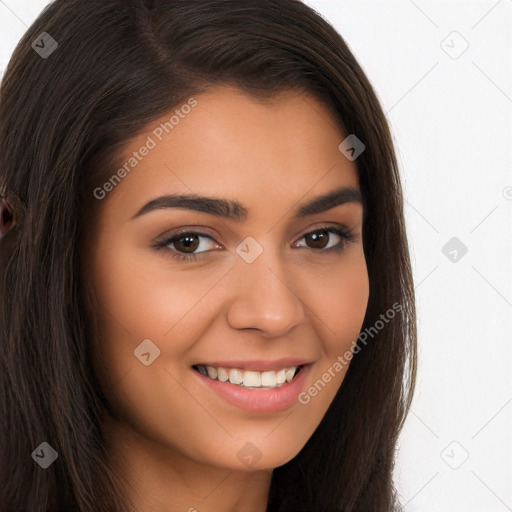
x,y
318,239
187,245
322,240
187,242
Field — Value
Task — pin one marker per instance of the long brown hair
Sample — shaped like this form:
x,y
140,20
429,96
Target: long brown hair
x,y
63,118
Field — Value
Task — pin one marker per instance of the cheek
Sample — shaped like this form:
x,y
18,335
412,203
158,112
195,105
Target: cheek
x,y
340,301
341,304
343,307
142,296
137,300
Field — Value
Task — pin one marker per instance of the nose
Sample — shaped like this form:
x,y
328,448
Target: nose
x,y
264,297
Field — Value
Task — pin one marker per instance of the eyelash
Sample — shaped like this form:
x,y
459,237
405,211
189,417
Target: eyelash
x,y
346,235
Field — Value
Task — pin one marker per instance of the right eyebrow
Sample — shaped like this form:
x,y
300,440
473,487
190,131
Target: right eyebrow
x,y
226,208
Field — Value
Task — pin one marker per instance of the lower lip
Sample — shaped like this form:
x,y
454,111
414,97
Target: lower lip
x,y
259,400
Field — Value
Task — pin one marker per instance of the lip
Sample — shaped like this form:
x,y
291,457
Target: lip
x,y
259,400
259,364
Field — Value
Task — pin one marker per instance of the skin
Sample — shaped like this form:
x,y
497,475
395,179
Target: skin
x,y
174,440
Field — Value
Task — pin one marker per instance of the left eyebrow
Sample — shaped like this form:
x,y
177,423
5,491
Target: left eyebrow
x,y
234,210
330,200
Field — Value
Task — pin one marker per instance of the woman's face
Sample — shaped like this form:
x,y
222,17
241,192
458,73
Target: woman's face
x,y
261,293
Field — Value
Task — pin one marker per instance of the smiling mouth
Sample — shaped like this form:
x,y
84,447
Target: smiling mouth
x,y
250,379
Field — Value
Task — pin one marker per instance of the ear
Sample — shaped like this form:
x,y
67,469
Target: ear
x,y
12,212
6,217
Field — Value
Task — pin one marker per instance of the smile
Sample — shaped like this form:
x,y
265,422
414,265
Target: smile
x,y
255,391
249,378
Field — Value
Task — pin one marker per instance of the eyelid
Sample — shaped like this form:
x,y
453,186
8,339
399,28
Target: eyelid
x,y
195,230
168,238
206,232
348,236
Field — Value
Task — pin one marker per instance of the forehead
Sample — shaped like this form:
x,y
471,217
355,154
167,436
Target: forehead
x,y
225,143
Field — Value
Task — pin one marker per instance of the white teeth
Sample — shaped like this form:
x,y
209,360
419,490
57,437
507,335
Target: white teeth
x,y
290,372
235,376
222,374
250,378
268,379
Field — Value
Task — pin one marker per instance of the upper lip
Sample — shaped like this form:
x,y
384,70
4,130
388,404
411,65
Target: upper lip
x,y
258,364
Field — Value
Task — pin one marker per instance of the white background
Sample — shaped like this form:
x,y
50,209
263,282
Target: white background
x,y
450,114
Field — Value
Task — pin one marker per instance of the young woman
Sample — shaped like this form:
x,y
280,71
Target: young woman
x,y
206,292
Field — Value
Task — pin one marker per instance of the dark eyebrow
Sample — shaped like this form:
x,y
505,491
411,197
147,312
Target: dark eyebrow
x,y
234,210
330,200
